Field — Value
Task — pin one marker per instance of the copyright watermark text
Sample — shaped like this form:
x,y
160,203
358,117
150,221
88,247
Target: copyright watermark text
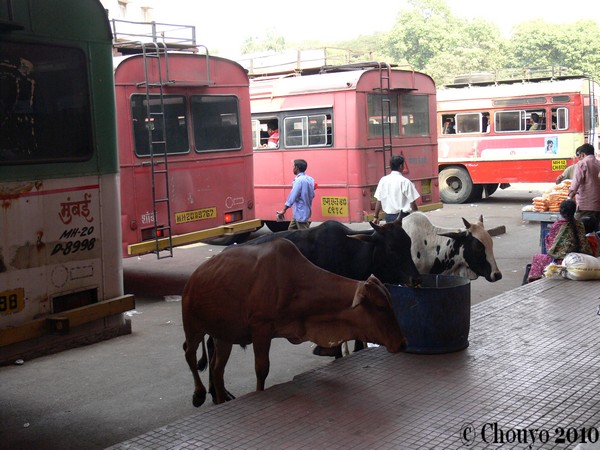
x,y
494,433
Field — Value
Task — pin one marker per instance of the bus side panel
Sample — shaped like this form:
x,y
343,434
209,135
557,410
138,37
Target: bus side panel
x,y
510,159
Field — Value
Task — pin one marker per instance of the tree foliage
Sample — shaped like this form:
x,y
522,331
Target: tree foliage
x,y
431,39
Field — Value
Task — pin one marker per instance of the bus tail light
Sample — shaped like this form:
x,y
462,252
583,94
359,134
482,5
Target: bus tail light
x,y
148,233
233,216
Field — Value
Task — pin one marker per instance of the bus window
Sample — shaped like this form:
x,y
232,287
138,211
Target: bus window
x,y
522,120
44,96
448,124
536,120
256,133
260,133
377,117
468,123
317,130
560,118
415,114
175,124
307,131
295,131
509,121
216,122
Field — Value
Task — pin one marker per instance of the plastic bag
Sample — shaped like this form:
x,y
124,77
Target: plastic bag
x,y
579,266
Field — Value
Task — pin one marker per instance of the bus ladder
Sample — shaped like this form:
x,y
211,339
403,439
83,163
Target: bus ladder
x,y
386,112
155,53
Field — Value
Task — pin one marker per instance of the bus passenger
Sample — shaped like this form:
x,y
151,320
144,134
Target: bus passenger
x,y
300,198
534,122
395,193
585,187
449,127
485,122
273,131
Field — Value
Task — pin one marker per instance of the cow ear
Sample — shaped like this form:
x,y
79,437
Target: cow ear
x,y
481,219
360,294
466,222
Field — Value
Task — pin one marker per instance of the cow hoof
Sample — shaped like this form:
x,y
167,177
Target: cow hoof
x,y
198,399
228,396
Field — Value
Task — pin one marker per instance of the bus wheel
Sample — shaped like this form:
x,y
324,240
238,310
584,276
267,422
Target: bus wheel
x,y
456,185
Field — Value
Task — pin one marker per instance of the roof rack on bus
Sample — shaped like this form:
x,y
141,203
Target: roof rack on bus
x,y
300,62
362,65
128,36
512,76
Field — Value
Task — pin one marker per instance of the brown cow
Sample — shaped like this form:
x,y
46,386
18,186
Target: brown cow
x,y
252,294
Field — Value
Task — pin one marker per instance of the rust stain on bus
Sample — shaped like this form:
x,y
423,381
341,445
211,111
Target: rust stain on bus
x,y
9,192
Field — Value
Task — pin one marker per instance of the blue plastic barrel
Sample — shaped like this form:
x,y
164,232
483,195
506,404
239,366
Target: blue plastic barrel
x,y
436,317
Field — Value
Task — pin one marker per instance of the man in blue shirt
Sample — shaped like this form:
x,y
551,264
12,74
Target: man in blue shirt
x,y
301,197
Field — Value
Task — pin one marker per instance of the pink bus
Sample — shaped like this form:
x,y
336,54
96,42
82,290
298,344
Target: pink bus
x,y
346,122
184,135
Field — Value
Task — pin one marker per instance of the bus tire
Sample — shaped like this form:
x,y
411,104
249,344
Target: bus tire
x,y
456,185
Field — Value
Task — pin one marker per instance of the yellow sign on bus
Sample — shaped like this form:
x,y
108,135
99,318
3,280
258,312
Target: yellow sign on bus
x,y
197,214
559,165
334,206
12,301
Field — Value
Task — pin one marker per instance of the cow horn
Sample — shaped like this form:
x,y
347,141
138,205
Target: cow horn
x,y
359,294
375,227
453,234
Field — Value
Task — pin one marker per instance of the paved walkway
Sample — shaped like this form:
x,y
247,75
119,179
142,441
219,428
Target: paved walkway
x,y
530,378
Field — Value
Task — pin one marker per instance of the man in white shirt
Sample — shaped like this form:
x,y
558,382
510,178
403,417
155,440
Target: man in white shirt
x,y
395,193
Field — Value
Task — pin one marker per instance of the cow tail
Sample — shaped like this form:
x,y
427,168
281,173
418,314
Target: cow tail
x,y
203,361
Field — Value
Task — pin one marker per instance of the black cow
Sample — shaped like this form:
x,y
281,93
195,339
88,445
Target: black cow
x,y
332,246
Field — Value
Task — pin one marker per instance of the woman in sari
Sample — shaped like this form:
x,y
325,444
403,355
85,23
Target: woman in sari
x,y
566,235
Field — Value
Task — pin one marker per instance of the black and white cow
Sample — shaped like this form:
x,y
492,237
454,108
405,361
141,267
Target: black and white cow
x,y
464,252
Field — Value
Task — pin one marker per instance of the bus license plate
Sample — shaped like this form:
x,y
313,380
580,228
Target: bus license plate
x,y
334,206
12,301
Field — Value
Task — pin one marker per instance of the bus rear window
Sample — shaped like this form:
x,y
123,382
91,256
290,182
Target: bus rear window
x,y
174,120
216,122
415,114
45,114
382,113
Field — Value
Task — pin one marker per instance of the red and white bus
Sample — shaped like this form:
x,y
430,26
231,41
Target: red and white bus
x,y
511,132
185,149
346,124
